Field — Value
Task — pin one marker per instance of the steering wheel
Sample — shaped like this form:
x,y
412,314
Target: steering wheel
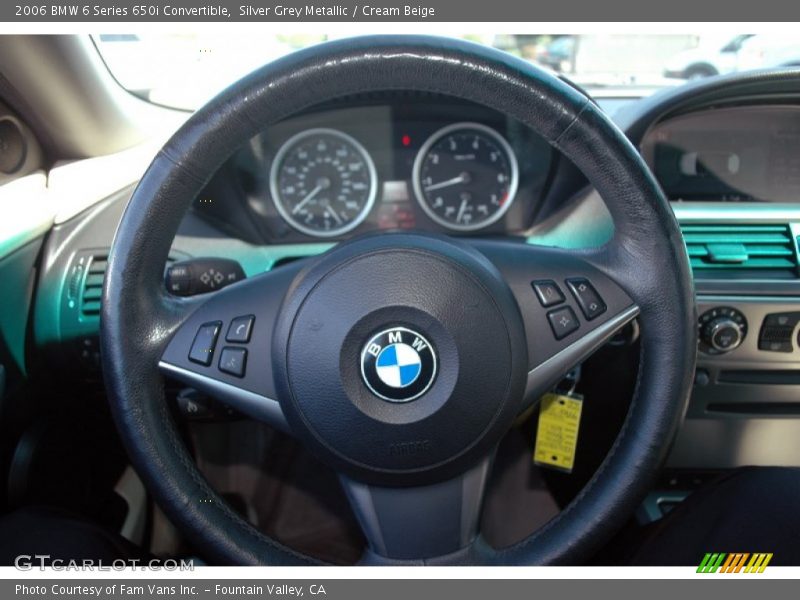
x,y
455,322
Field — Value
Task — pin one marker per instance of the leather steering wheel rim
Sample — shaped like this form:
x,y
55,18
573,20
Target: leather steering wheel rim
x,y
139,317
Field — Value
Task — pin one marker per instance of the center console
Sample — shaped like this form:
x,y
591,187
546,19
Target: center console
x,y
745,404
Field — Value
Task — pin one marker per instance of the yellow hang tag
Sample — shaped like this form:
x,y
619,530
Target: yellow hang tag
x,y
557,433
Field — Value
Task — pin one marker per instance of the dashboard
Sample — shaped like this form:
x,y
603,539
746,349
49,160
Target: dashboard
x,y
397,161
725,151
727,159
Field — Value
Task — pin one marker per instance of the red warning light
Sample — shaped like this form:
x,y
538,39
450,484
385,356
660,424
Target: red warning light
x,y
406,140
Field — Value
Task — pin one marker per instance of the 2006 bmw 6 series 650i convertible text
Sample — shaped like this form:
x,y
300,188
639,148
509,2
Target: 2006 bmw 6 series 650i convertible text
x,y
394,300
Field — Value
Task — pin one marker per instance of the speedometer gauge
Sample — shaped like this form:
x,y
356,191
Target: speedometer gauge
x,y
323,182
465,176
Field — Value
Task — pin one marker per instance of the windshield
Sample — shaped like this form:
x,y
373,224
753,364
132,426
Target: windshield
x,y
183,71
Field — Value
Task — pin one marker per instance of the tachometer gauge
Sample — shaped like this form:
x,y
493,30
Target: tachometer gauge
x,y
323,182
465,176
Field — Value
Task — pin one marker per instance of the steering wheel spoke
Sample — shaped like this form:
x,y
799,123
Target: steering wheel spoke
x,y
569,307
547,373
419,522
223,347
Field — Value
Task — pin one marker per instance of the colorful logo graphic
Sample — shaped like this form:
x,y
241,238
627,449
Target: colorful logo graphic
x,y
736,562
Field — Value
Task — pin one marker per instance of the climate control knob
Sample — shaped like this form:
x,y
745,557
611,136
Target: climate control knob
x,y
722,329
723,335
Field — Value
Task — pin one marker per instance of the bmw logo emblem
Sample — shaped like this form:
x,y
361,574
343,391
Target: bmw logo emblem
x,y
398,364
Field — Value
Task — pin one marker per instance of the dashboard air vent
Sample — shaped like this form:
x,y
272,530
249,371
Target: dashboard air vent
x,y
93,285
759,251
92,288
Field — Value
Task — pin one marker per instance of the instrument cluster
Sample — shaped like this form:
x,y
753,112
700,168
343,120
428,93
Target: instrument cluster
x,y
442,165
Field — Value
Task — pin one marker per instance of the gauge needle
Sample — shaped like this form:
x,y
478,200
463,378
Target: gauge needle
x,y
463,178
307,199
461,210
332,213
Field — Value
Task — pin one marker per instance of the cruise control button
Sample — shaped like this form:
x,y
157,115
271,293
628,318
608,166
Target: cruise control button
x,y
563,322
179,286
239,329
204,341
548,292
179,280
589,300
233,361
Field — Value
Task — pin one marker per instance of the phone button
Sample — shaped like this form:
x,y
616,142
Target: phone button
x,y
239,330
